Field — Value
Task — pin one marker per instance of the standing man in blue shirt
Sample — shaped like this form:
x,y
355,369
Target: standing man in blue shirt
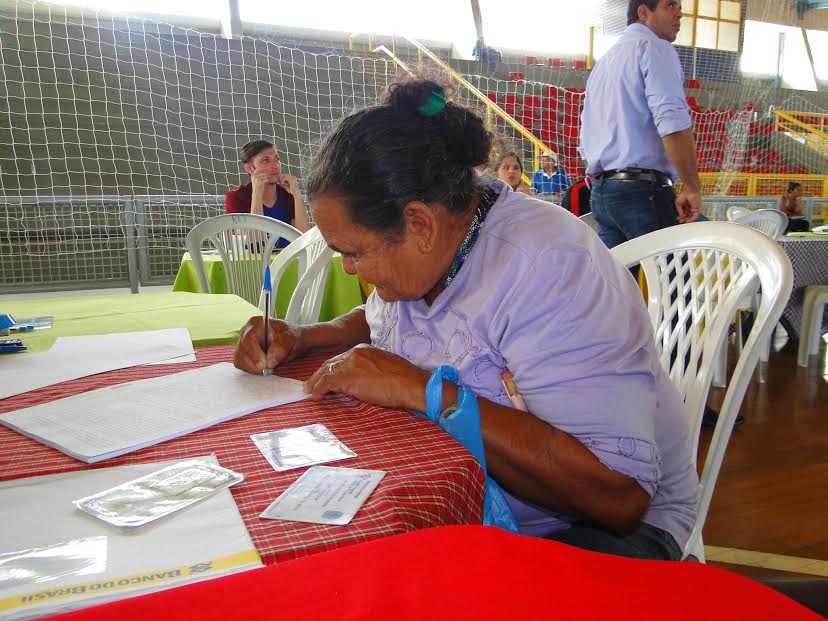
x,y
551,178
637,135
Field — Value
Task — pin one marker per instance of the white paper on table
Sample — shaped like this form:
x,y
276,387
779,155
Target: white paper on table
x,y
72,357
325,495
206,540
179,359
115,420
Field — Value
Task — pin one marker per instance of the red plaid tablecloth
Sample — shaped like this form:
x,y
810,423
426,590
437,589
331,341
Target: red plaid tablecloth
x,y
431,480
809,259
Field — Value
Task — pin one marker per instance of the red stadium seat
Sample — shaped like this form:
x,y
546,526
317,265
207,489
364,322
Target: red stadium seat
x,y
531,60
555,62
517,76
550,103
693,84
530,101
549,135
579,65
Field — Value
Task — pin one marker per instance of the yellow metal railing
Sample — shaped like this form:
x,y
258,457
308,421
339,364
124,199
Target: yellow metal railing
x,y
815,134
753,184
491,107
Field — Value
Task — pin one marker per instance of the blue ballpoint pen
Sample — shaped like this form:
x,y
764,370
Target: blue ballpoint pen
x,y
267,293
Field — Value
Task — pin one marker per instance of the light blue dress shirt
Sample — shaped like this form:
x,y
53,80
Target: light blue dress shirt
x,y
634,97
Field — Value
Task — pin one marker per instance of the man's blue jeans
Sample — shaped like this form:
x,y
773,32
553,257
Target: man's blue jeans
x,y
628,209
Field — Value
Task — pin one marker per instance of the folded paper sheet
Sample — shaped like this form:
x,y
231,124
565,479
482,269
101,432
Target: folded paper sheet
x,y
205,540
99,424
72,357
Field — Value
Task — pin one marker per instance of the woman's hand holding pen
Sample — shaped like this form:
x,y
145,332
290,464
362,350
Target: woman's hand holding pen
x,y
371,375
284,344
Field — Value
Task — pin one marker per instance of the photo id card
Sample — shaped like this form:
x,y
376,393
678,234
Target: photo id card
x,y
287,449
325,495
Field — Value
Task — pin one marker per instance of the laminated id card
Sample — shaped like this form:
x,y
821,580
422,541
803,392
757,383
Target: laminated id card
x,y
301,446
325,495
160,493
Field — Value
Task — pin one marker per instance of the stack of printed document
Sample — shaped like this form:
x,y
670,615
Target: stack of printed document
x,y
99,424
55,558
72,357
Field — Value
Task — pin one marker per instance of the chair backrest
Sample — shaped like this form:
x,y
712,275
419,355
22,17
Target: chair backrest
x,y
589,219
314,257
245,243
736,211
698,276
771,222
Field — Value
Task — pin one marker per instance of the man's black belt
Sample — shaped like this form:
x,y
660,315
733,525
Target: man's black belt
x,y
635,174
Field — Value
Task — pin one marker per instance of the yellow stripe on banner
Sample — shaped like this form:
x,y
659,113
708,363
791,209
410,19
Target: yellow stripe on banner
x,y
118,584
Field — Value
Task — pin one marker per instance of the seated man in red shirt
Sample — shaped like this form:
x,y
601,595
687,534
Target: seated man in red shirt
x,y
269,193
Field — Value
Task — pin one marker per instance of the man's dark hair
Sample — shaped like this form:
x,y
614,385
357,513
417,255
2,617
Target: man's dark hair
x,y
252,149
793,185
632,9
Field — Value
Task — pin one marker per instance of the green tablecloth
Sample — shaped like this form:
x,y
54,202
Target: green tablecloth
x,y
211,319
342,291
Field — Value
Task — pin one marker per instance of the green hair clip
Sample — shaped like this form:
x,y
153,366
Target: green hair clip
x,y
436,102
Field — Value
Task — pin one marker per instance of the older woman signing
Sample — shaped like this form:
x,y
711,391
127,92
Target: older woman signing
x,y
486,279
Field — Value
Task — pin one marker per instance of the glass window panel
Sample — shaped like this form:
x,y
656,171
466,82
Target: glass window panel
x,y
728,37
688,7
201,8
685,35
709,8
819,49
796,68
730,10
760,48
706,33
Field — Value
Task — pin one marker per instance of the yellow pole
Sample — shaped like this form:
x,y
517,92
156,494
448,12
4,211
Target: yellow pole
x,y
485,100
351,38
591,45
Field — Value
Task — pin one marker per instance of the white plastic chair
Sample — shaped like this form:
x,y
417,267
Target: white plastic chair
x,y
698,275
771,222
245,243
736,211
589,219
314,257
813,307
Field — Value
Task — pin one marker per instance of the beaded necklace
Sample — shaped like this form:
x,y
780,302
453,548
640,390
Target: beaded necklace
x,y
488,198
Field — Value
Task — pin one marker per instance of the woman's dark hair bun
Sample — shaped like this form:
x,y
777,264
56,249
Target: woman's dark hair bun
x,y
415,145
467,141
412,95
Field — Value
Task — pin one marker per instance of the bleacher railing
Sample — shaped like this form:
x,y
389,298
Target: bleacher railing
x,y
67,242
811,127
